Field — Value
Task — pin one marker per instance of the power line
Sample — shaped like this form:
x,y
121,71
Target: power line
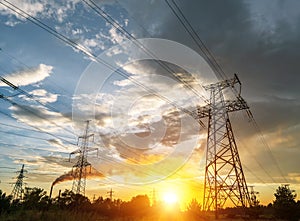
x,y
28,94
81,48
27,67
258,178
28,129
31,111
42,131
76,45
22,147
130,37
259,164
22,135
108,159
32,97
194,35
263,140
217,68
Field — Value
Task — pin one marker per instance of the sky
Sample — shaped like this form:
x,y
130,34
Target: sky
x,y
144,142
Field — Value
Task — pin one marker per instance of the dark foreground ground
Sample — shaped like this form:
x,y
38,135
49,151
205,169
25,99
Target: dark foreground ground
x,y
81,216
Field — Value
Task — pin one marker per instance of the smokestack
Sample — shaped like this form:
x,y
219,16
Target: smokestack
x,y
59,192
51,191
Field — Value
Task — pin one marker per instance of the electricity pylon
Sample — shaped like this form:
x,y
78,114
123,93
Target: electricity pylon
x,y
110,194
79,170
253,194
153,197
224,176
18,190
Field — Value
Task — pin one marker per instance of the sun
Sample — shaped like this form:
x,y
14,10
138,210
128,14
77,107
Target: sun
x,y
170,198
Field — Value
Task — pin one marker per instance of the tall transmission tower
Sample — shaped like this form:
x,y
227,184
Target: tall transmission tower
x,y
253,196
18,190
224,176
153,197
79,170
110,194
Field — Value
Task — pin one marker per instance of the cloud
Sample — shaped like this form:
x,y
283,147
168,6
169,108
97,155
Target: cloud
x,y
93,43
146,21
59,10
258,42
41,95
58,143
295,177
32,8
29,76
256,39
267,17
40,117
115,37
11,23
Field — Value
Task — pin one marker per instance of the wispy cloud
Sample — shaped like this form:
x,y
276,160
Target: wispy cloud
x,y
29,76
32,8
41,95
42,8
40,117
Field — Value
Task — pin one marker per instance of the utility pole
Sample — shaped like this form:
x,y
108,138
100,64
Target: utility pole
x,y
111,194
79,170
224,176
18,190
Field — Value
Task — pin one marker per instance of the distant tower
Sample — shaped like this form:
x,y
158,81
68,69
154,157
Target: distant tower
x,y
153,197
224,176
18,190
110,194
254,200
79,170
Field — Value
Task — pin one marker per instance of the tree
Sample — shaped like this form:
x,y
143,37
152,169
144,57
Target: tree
x,y
285,205
138,206
194,209
4,202
35,198
107,207
72,201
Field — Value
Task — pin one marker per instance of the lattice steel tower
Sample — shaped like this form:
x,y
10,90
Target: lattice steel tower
x,y
80,169
224,176
18,190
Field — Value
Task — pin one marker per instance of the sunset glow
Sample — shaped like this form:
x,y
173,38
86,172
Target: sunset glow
x,y
170,198
136,106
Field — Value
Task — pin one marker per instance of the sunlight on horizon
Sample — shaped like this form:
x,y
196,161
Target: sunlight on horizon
x,y
170,198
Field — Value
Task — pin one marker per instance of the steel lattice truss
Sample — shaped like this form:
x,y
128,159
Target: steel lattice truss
x,y
18,190
80,169
224,177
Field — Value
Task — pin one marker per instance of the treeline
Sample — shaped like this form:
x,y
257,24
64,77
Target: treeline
x,y
36,205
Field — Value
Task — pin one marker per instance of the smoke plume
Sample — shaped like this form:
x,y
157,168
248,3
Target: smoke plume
x,y
70,175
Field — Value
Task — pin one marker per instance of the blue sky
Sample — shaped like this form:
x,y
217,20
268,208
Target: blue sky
x,y
259,40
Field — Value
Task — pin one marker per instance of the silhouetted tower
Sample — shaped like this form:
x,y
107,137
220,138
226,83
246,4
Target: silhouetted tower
x,y
153,197
254,200
79,170
18,190
224,176
110,193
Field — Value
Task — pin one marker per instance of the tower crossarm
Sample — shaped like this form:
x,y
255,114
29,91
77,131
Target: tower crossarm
x,y
223,84
231,105
79,151
236,105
